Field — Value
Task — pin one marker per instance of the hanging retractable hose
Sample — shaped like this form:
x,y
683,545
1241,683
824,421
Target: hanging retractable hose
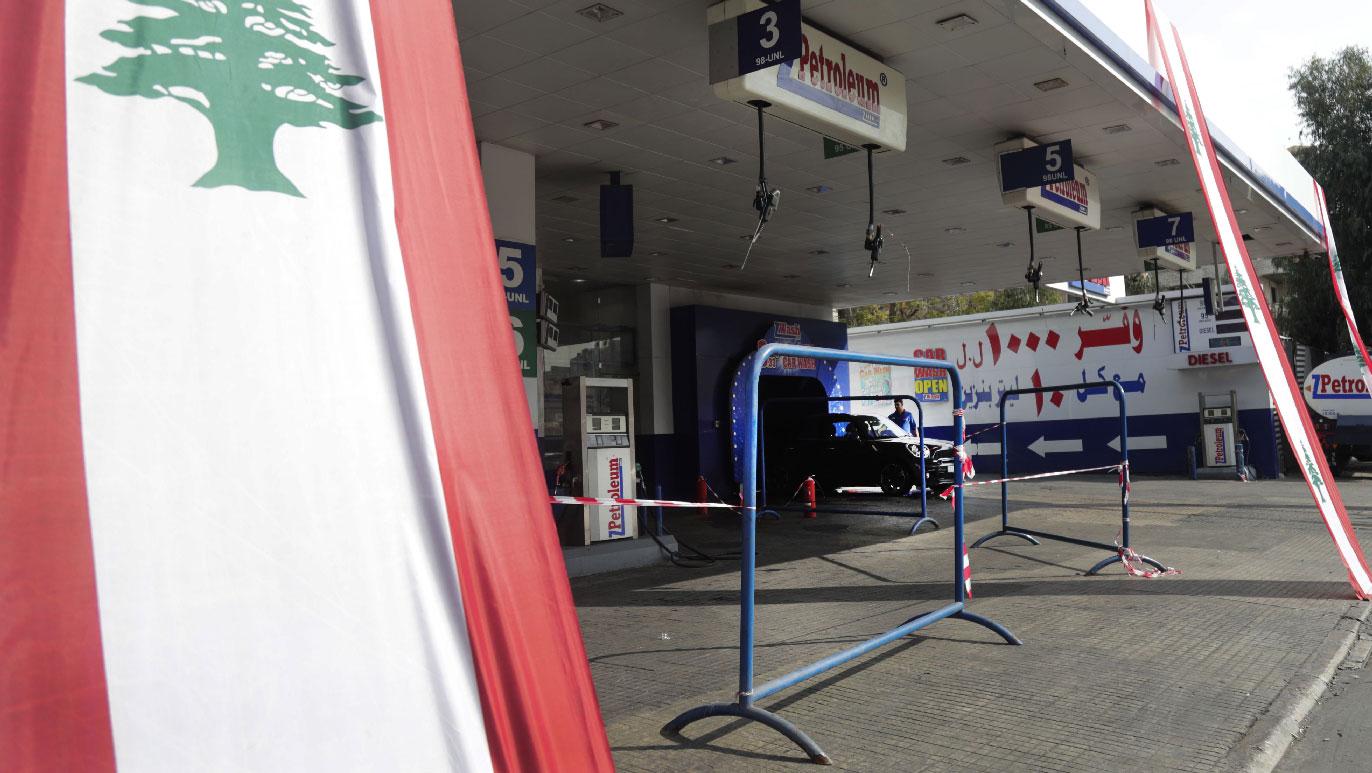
x,y
1083,305
873,240
1034,274
766,199
1159,302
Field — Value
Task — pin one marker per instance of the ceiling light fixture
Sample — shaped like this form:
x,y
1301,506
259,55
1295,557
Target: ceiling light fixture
x,y
1003,245
925,275
1283,244
889,293
569,239
1119,128
579,280
893,212
968,283
600,124
1052,84
819,189
729,266
819,252
954,229
666,219
656,254
842,285
599,12
1262,229
724,160
790,276
957,161
565,199
955,23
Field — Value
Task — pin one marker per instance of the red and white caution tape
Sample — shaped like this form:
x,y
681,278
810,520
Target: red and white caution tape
x,y
636,502
949,491
1135,564
966,572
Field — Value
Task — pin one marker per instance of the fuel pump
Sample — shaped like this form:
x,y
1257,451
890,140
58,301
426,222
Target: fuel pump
x,y
1218,416
598,435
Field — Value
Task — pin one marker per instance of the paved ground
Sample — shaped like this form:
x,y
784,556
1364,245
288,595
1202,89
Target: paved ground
x,y
1337,735
1116,673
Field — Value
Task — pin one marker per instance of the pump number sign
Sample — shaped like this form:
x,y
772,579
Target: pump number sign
x,y
1166,230
1036,166
762,38
516,263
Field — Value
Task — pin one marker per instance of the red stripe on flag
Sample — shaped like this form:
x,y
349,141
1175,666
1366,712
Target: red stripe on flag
x,y
54,708
538,702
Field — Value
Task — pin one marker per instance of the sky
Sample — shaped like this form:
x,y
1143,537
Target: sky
x,y
1241,52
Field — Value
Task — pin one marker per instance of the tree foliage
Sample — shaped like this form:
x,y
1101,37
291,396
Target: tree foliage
x,y
949,306
1334,96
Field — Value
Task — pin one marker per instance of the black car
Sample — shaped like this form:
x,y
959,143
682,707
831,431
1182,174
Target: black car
x,y
843,450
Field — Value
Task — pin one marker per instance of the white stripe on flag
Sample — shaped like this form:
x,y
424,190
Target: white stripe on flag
x,y
276,582
1275,369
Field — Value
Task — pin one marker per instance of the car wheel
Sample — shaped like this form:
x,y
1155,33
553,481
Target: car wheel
x,y
896,479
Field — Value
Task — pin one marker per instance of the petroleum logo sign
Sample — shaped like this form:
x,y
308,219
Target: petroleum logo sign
x,y
1337,388
614,526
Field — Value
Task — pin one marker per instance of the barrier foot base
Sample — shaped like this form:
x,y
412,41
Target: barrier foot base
x,y
1004,632
795,734
923,520
774,515
1115,559
1005,533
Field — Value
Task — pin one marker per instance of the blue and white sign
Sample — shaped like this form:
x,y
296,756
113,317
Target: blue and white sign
x,y
1036,166
768,36
1167,238
1165,230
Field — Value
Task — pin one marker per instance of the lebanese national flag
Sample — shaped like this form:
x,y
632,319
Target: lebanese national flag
x,y
1276,370
269,497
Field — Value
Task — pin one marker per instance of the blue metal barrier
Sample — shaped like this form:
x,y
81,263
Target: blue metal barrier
x,y
1030,534
923,517
744,705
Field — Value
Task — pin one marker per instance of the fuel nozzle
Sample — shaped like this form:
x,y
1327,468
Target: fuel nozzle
x,y
872,243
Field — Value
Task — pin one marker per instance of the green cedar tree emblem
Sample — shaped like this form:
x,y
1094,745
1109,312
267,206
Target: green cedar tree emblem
x,y
1338,267
1197,139
247,67
1313,471
1247,299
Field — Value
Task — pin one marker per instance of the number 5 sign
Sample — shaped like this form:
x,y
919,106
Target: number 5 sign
x,y
516,262
754,40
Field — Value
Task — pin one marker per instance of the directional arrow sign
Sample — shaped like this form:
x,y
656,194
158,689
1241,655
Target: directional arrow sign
x,y
1044,447
1141,443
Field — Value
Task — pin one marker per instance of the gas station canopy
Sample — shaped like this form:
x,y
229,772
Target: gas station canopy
x,y
591,89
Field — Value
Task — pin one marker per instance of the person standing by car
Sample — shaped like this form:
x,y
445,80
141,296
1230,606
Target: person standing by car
x,y
903,418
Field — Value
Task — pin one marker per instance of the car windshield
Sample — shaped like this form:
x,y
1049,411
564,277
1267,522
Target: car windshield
x,y
881,428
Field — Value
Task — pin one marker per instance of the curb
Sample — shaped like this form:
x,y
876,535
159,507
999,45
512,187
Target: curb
x,y
1268,738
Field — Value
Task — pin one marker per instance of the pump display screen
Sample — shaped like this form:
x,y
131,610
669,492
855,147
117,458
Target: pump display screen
x,y
607,401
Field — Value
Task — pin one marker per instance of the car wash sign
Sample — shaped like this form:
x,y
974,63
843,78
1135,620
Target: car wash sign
x,y
786,333
931,384
828,86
